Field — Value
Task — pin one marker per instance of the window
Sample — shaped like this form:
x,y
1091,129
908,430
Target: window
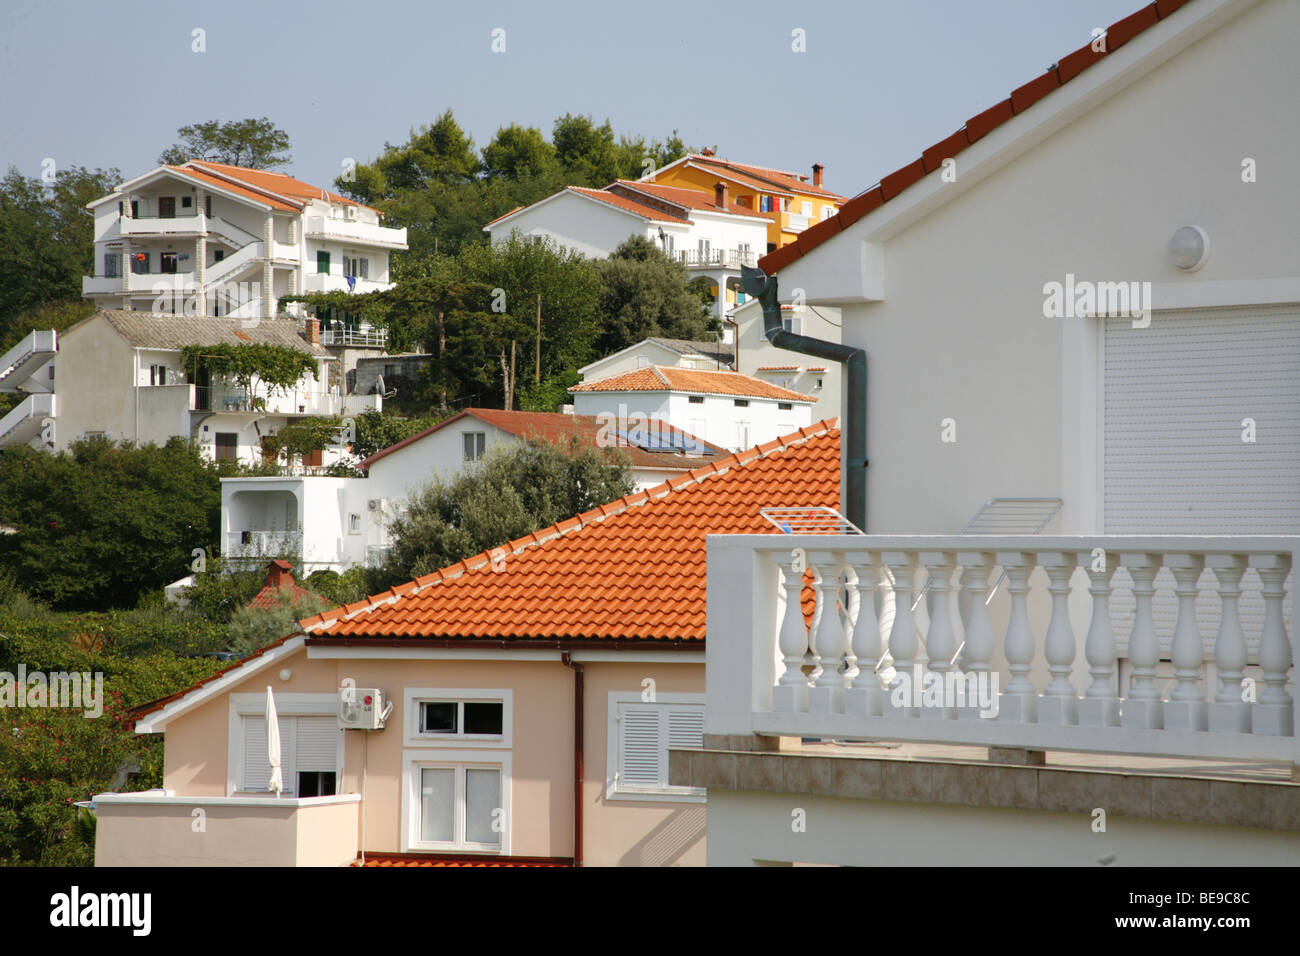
x,y
639,737
785,406
764,203
167,262
390,372
740,402
140,263
451,717
792,323
207,205
187,202
695,399
311,744
227,446
703,246
354,522
670,245
785,204
135,209
807,208
819,384
642,361
457,801
218,255
166,207
746,201
157,374
475,445
112,265
827,212
359,267
742,435
322,261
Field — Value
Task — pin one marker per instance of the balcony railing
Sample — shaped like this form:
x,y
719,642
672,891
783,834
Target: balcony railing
x,y
716,258
365,232
373,338
263,544
1207,666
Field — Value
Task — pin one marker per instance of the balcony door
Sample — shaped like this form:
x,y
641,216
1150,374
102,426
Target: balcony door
x,y
166,207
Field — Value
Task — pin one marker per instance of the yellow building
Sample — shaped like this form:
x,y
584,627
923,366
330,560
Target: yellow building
x,y
789,201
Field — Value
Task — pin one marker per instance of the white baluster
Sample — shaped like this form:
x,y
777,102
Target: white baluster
x,y
828,639
977,654
1142,707
1185,709
1100,704
1229,713
1274,714
790,695
1018,700
865,697
852,606
941,640
1059,703
904,691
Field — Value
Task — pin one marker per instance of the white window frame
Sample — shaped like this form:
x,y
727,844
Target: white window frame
x,y
286,705
354,522
413,697
415,761
613,747
465,459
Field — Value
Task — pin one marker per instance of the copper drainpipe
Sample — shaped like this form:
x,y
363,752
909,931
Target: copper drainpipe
x,y
567,658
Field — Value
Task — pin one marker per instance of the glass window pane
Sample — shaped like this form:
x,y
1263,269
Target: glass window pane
x,y
483,718
438,717
437,805
482,799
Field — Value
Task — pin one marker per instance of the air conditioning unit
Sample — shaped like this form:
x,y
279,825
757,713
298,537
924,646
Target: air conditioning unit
x,y
350,212
363,708
376,504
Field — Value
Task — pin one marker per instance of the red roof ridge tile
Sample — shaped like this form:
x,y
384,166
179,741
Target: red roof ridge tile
x,y
975,129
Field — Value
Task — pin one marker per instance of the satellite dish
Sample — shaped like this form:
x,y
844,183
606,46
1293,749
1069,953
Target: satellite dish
x,y
379,388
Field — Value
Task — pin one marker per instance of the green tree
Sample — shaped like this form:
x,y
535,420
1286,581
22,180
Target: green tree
x,y
251,143
519,152
46,238
252,628
643,294
514,491
101,524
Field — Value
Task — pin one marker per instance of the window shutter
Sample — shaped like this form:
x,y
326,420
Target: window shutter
x,y
257,772
640,750
317,744
685,729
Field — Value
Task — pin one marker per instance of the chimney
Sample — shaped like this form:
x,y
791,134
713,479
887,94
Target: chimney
x,y
709,151
720,198
313,331
278,575
817,174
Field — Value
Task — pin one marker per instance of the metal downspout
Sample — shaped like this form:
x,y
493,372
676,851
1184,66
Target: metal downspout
x,y
764,287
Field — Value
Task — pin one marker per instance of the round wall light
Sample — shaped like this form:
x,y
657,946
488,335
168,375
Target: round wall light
x,y
1189,247
286,674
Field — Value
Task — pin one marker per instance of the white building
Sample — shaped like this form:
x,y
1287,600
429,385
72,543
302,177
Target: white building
x,y
726,408
1152,618
216,240
683,353
120,377
335,523
707,232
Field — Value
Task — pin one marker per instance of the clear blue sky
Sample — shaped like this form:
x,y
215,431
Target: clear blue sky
x,y
107,84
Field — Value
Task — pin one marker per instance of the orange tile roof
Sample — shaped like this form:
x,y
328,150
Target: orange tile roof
x,y
670,378
776,177
976,128
631,570
504,215
279,183
415,859
690,198
628,205
555,427
200,176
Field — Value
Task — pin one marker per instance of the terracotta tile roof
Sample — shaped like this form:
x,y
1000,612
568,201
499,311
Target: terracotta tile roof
x,y
976,128
779,178
278,183
628,205
669,378
504,215
690,198
261,198
631,570
280,586
778,368
554,427
416,859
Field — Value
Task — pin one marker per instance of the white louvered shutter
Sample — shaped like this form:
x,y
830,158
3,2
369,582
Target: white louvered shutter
x,y
1176,393
257,772
685,729
640,750
317,744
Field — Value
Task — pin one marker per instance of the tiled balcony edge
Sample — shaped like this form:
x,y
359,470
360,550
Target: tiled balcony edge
x,y
1261,804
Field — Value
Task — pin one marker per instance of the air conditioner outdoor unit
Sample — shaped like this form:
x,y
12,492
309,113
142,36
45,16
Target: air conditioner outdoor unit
x,y
363,708
376,504
349,212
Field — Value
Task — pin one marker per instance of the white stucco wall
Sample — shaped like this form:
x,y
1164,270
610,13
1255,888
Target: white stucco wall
x,y
716,419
